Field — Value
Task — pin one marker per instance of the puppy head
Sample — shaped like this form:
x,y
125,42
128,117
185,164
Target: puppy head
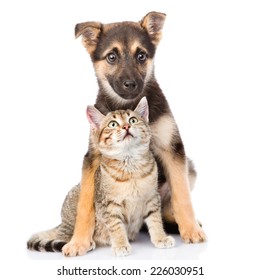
x,y
123,53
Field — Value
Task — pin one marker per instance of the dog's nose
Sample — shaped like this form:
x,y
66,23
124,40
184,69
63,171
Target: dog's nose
x,y
129,85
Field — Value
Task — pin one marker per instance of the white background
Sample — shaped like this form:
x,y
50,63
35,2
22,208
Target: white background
x,y
209,67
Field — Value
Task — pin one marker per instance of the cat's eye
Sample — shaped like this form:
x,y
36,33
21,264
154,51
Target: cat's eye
x,y
133,120
112,124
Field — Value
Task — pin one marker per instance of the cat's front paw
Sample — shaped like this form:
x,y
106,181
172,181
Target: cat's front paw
x,y
122,250
165,242
74,248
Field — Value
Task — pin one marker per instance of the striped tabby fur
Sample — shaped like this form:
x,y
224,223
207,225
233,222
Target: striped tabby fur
x,y
125,186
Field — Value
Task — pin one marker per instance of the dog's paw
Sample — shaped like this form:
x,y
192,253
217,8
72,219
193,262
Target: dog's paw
x,y
122,250
193,234
165,242
74,248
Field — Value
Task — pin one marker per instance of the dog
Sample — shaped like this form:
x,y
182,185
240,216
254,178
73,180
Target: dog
x,y
122,55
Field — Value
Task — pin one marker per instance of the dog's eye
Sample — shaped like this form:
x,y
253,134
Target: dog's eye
x,y
141,57
111,57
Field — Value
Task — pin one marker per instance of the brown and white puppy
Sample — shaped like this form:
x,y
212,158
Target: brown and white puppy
x,y
122,54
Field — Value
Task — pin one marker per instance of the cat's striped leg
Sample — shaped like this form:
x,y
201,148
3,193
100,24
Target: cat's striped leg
x,y
155,226
118,237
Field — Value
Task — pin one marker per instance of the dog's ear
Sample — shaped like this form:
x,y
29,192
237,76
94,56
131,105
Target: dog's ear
x,y
153,22
90,32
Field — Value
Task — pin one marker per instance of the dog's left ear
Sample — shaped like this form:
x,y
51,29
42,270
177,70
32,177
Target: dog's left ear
x,y
153,22
90,32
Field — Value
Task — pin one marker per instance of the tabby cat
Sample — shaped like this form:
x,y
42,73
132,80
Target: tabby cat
x,y
125,185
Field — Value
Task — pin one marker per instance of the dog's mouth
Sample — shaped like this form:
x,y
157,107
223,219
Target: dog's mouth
x,y
127,89
128,94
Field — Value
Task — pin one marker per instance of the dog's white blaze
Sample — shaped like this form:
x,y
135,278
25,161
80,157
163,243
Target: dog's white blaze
x,y
163,131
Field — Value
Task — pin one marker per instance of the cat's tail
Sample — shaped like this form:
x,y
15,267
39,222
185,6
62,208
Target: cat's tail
x,y
47,241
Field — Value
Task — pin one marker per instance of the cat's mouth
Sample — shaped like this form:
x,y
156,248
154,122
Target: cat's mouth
x,y
127,135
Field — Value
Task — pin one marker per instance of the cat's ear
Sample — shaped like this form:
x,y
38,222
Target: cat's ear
x,y
142,109
94,117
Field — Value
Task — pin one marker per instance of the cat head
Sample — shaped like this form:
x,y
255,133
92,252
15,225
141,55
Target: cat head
x,y
121,131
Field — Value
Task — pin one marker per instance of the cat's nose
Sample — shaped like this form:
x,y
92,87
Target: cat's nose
x,y
126,127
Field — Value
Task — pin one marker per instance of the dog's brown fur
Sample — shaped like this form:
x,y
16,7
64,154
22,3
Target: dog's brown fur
x,y
122,55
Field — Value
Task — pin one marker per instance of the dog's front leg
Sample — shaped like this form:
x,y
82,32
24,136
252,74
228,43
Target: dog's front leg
x,y
168,147
177,175
82,239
